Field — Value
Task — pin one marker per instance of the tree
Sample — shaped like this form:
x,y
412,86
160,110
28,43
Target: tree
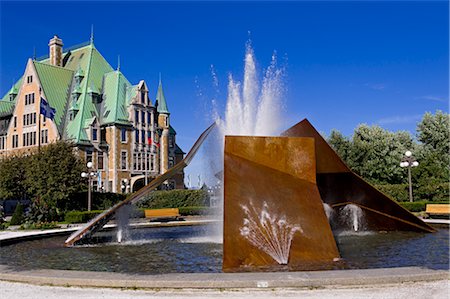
x,y
433,131
12,176
432,174
53,175
376,152
340,144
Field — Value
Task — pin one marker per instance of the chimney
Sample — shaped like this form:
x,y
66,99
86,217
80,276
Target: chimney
x,y
55,47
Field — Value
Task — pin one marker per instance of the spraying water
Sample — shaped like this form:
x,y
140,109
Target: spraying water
x,y
329,211
269,232
353,216
253,110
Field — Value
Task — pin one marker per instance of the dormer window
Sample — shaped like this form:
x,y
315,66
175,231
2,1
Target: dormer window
x,y
143,96
94,134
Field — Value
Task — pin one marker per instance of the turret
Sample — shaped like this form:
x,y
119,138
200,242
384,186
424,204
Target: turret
x,y
164,124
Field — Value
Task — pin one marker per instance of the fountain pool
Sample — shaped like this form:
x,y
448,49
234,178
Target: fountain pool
x,y
194,249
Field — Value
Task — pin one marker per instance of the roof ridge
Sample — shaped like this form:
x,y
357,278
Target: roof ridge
x,y
54,66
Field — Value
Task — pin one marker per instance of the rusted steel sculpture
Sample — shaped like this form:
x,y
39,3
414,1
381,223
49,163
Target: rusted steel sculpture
x,y
339,186
273,215
275,189
98,222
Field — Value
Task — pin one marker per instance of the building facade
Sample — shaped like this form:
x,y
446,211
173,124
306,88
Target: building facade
x,y
112,123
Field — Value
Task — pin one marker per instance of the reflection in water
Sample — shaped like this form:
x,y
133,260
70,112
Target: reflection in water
x,y
176,249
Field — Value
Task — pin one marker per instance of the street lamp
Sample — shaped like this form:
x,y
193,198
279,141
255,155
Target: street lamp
x,y
89,174
125,186
409,161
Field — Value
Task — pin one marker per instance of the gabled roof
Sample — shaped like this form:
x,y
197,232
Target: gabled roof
x,y
161,100
94,66
115,98
55,82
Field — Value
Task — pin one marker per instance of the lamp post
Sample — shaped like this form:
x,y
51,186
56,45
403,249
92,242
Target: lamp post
x,y
409,161
125,186
89,174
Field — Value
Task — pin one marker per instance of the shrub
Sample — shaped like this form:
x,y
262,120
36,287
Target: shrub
x,y
191,211
399,192
431,192
175,199
81,216
100,201
418,206
18,217
39,225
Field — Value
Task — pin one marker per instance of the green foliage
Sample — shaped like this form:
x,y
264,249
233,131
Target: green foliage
x,y
399,192
40,211
12,177
53,174
81,216
175,199
100,201
433,131
416,206
193,211
433,192
18,216
375,153
341,144
39,225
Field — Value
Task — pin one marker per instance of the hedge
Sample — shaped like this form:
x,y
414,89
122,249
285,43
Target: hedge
x,y
419,206
432,192
100,201
175,199
193,211
81,216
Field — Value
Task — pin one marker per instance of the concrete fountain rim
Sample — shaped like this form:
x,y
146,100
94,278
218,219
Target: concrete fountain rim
x,y
263,280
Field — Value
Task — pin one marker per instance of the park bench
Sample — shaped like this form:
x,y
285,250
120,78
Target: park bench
x,y
438,209
163,214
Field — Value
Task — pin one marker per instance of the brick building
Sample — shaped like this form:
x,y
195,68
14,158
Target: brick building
x,y
112,122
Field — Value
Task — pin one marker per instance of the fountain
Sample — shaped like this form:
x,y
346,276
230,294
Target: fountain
x,y
272,234
279,192
353,216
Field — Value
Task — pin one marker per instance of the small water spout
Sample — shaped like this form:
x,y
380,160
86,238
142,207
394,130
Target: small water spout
x,y
122,219
270,233
353,216
329,211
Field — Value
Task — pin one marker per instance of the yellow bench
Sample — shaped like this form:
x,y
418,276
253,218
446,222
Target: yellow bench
x,y
162,213
438,209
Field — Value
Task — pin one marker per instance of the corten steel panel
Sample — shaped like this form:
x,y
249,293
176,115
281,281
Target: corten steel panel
x,y
338,186
278,172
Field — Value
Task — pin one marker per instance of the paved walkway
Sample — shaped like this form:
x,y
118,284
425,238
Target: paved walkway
x,y
428,290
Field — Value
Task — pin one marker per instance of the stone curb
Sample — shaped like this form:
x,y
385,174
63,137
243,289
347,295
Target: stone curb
x,y
312,279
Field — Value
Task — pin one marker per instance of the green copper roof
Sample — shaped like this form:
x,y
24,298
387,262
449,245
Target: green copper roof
x,y
178,150
116,98
6,108
79,72
172,130
55,82
94,67
161,100
14,88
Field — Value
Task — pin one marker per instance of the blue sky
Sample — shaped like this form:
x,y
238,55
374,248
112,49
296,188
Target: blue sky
x,y
347,63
